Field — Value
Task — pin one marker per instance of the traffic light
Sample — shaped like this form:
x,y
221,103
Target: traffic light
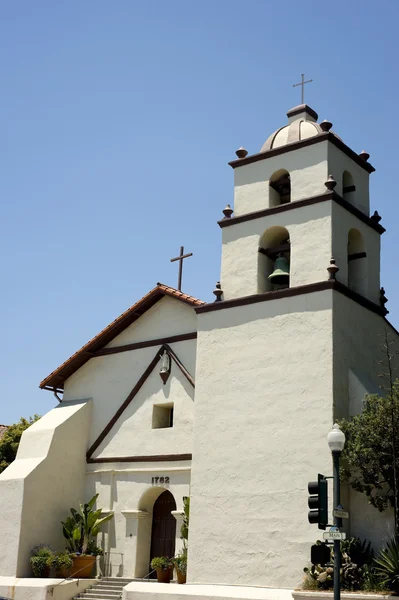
x,y
318,501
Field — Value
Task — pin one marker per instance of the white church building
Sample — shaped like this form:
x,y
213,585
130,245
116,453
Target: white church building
x,y
228,402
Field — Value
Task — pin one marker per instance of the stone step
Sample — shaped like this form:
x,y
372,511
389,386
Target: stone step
x,y
111,586
103,587
118,580
98,596
98,593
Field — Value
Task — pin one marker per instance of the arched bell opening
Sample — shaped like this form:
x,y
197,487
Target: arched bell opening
x,y
156,531
279,188
357,262
274,257
348,187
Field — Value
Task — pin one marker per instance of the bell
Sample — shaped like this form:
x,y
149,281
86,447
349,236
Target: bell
x,y
281,273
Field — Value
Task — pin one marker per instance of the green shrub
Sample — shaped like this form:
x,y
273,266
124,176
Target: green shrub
x,y
39,557
60,561
358,570
387,566
161,562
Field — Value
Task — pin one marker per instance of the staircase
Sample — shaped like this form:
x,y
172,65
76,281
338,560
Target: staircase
x,y
109,588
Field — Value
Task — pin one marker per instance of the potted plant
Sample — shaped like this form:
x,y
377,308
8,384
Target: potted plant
x,y
180,564
38,560
164,568
60,563
80,530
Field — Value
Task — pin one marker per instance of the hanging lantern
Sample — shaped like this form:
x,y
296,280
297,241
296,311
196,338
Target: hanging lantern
x,y
281,271
165,367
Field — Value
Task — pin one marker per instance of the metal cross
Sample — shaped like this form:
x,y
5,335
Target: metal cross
x,y
303,82
180,258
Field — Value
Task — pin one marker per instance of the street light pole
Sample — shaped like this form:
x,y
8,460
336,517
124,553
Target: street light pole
x,y
338,523
336,442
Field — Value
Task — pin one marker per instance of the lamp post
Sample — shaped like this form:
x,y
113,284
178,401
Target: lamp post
x,y
336,442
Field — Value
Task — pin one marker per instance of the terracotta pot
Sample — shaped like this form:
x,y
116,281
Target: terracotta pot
x,y
181,577
82,567
63,573
164,576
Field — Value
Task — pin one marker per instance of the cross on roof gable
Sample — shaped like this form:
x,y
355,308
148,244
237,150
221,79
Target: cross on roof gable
x,y
55,381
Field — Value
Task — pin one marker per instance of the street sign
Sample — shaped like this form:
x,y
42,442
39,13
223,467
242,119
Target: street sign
x,y
340,514
334,535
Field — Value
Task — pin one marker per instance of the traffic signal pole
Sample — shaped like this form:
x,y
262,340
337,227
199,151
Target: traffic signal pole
x,y
338,523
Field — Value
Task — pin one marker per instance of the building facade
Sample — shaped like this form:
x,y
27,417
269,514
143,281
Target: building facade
x,y
227,402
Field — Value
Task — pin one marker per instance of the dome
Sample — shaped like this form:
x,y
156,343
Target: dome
x,y
301,126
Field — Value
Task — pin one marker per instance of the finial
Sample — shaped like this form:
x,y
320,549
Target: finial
x,y
218,292
364,155
332,269
326,125
241,152
383,301
330,183
376,217
228,211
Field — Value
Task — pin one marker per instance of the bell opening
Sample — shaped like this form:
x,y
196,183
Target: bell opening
x,y
274,257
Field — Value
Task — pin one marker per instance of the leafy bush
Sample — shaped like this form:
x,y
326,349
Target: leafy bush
x,y
161,562
387,568
60,561
357,570
39,557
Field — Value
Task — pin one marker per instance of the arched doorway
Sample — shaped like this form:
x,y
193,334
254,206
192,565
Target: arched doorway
x,y
163,533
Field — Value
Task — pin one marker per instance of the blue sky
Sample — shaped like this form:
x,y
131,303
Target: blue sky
x,y
117,122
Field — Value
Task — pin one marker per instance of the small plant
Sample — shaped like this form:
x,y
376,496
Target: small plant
x,y
93,549
180,562
387,568
61,562
161,562
186,520
39,557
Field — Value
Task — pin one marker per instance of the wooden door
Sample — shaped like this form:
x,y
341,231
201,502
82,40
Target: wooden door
x,y
163,535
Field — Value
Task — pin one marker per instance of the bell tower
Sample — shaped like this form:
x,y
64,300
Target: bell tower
x,y
291,344
301,200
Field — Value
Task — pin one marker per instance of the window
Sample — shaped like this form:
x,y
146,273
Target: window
x,y
348,187
279,188
162,416
357,262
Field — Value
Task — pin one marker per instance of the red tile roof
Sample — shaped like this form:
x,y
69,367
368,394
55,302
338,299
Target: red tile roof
x,y
55,381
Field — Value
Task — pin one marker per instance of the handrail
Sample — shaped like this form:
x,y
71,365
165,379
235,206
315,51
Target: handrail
x,y
51,590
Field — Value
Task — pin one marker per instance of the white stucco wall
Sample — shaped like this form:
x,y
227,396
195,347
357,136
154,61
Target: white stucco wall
x,y
342,222
110,379
132,434
310,231
263,410
42,589
338,162
358,338
129,491
167,317
307,167
39,487
127,488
